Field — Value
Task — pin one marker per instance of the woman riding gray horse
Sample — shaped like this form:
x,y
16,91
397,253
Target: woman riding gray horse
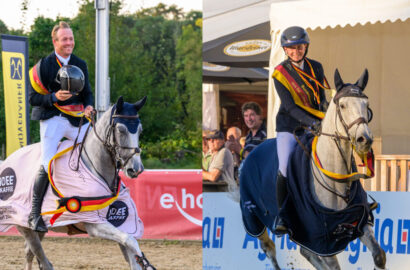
x,y
326,207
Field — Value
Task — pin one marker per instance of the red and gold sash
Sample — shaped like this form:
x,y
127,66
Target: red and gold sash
x,y
38,86
298,87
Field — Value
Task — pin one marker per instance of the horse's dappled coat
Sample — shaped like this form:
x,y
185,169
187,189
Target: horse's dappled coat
x,y
319,229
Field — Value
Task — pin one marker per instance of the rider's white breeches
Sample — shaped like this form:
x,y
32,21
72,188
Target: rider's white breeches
x,y
52,131
286,142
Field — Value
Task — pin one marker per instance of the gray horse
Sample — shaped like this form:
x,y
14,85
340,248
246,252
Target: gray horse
x,y
344,130
111,144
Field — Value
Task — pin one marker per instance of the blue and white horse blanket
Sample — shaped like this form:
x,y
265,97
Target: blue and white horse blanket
x,y
319,229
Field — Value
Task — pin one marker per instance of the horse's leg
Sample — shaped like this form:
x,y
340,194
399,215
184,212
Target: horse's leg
x,y
129,257
108,231
368,239
319,262
269,248
33,243
30,254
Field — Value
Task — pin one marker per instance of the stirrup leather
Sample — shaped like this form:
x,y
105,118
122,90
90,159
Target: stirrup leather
x,y
144,263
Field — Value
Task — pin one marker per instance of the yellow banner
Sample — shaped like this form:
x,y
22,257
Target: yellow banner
x,y
15,100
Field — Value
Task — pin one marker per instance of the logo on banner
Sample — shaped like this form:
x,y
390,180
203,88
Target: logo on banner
x,y
188,200
213,232
247,47
7,183
16,68
117,213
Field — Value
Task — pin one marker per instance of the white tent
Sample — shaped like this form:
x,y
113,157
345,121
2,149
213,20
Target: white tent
x,y
352,35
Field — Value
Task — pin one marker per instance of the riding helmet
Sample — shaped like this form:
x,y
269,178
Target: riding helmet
x,y
71,78
293,36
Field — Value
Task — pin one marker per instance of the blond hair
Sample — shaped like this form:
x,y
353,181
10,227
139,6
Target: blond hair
x,y
60,25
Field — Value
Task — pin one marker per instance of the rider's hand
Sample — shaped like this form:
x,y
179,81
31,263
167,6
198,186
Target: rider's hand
x,y
316,127
63,95
88,110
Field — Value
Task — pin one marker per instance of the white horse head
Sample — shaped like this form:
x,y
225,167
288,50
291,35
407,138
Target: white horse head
x,y
349,114
127,129
117,134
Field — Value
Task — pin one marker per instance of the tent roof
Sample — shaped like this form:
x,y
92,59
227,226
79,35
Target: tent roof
x,y
225,17
323,13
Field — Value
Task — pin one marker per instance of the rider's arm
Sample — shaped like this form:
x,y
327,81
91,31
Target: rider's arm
x,y
293,110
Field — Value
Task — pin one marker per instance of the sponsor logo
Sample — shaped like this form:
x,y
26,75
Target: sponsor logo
x,y
16,68
188,200
213,232
117,213
8,182
213,67
247,47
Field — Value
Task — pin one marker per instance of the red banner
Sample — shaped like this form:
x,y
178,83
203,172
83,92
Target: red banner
x,y
169,203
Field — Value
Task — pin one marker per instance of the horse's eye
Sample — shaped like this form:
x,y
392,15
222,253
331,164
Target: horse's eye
x,y
342,106
122,129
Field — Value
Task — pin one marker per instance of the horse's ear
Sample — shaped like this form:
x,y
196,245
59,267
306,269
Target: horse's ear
x,y
119,104
362,81
338,80
138,105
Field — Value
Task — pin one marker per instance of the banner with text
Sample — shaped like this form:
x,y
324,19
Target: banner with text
x,y
169,203
227,246
15,70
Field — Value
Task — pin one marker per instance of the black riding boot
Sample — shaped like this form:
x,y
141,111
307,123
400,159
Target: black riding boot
x,y
281,193
35,221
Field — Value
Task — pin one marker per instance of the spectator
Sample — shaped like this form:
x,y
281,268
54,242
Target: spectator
x,y
206,153
221,165
252,115
233,135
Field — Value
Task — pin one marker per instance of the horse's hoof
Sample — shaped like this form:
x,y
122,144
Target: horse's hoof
x,y
144,263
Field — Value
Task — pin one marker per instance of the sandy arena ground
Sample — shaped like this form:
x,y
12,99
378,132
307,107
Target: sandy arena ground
x,y
96,254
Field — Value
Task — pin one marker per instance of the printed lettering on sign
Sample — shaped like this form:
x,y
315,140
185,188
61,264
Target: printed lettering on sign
x,y
188,201
117,213
7,183
213,232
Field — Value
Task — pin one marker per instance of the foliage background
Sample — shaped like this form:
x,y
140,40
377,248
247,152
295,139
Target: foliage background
x,y
155,52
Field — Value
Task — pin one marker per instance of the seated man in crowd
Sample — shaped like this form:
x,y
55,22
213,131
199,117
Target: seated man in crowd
x,y
233,135
252,115
221,165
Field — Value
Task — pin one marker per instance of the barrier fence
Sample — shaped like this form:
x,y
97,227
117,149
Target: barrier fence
x,y
392,173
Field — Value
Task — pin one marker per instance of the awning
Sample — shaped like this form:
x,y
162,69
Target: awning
x,y
323,13
223,74
246,48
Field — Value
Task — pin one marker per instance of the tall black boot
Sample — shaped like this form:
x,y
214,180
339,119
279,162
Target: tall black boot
x,y
35,221
281,193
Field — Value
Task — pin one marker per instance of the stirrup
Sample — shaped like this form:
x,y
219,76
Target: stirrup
x,y
144,263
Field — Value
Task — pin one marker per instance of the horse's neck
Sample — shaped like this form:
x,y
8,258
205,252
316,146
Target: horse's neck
x,y
95,155
332,160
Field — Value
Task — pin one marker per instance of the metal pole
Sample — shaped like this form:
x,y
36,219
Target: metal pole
x,y
102,81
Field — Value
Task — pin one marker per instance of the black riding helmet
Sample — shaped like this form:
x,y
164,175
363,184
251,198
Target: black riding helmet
x,y
295,35
71,78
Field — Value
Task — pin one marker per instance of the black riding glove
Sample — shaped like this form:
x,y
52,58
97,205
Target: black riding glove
x,y
316,127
